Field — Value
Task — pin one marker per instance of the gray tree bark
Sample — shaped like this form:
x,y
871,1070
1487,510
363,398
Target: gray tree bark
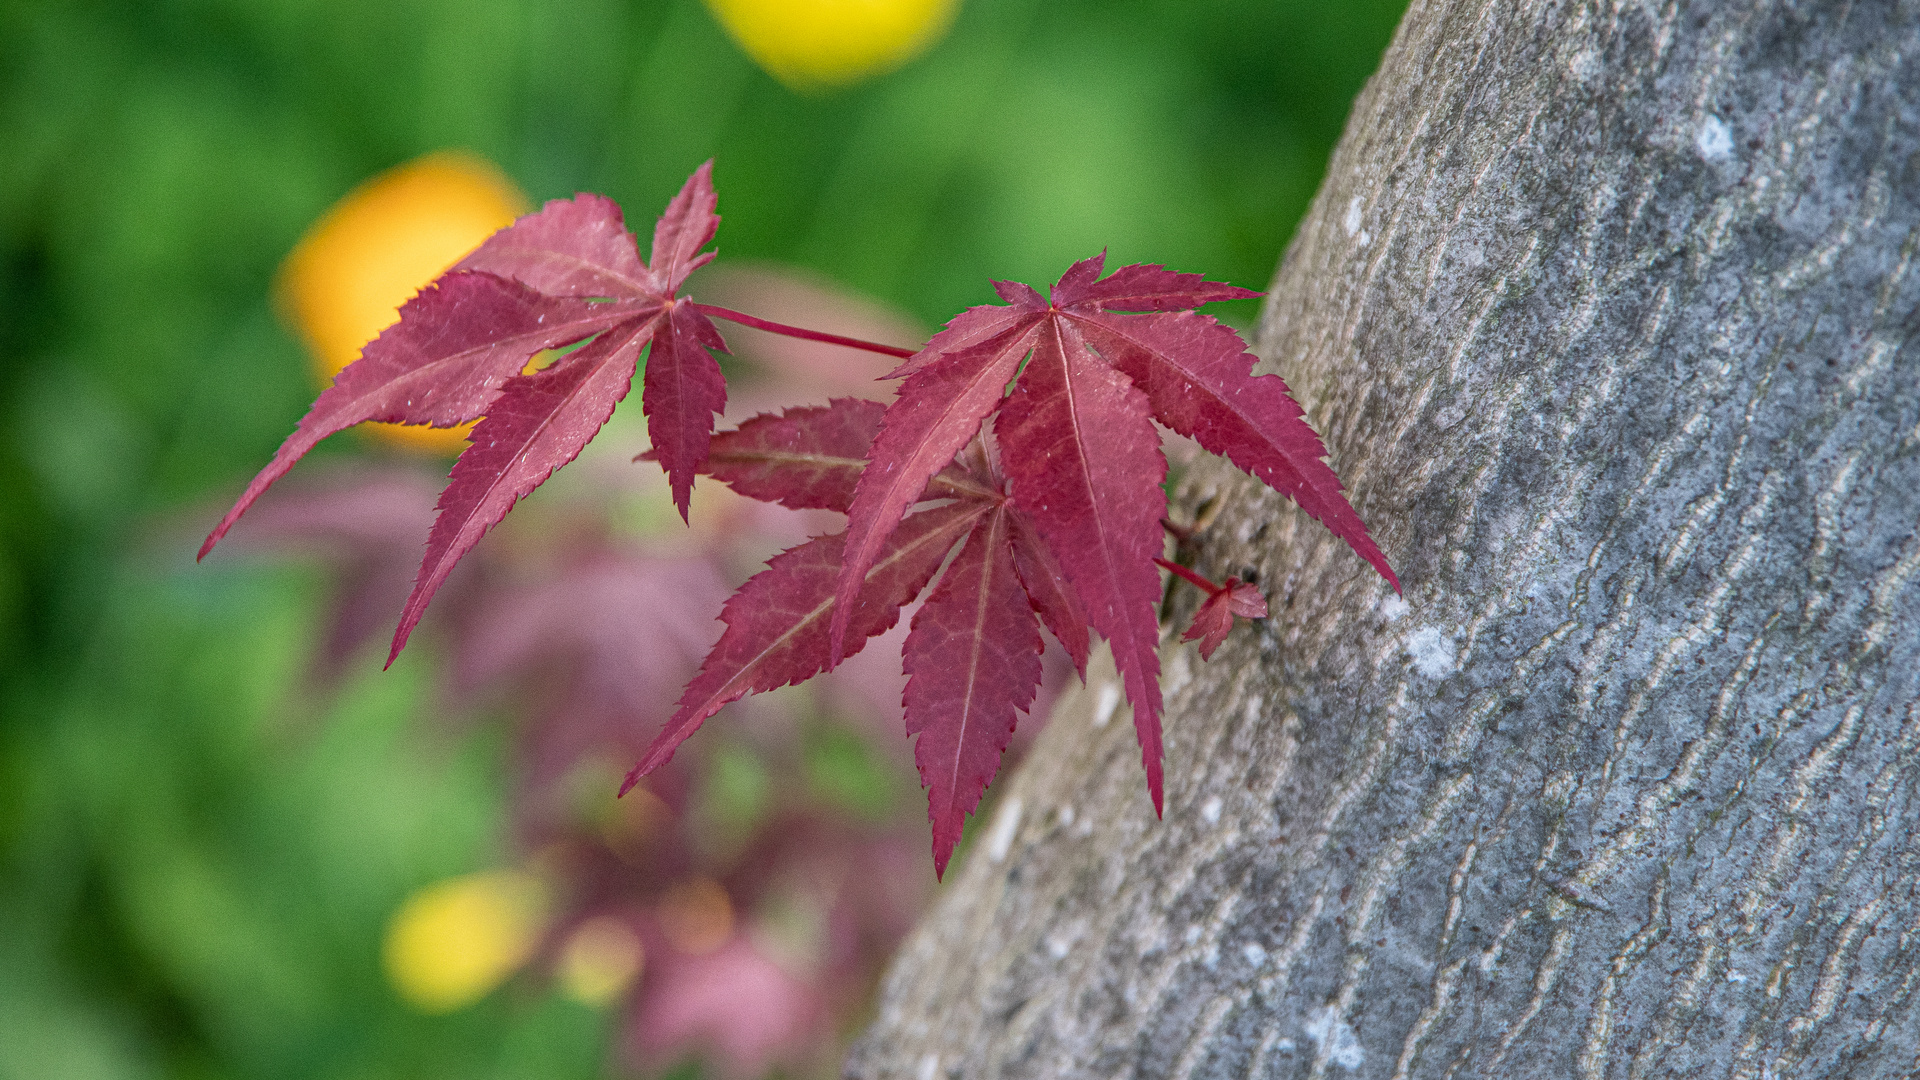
x,y
1607,314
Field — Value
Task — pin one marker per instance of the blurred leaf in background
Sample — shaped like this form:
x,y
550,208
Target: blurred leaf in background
x,y
203,835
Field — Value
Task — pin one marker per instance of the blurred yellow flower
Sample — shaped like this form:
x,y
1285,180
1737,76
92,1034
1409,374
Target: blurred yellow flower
x,y
346,279
451,943
600,959
813,44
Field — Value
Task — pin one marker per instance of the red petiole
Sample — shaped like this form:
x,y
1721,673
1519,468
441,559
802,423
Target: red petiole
x,y
1192,578
713,311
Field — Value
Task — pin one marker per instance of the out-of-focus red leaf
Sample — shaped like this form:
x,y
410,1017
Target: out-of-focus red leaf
x,y
537,424
365,526
1085,465
734,1002
973,660
777,623
615,633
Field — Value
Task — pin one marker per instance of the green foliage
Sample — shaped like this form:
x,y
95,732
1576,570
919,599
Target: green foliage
x,y
199,866
843,769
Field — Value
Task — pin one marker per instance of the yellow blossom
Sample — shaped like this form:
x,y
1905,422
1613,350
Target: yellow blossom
x,y
451,943
813,44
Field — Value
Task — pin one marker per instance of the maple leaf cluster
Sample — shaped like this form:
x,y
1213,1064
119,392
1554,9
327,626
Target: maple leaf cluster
x,y
1024,433
973,653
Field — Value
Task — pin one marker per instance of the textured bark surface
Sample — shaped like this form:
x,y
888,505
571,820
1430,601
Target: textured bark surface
x,y
1608,315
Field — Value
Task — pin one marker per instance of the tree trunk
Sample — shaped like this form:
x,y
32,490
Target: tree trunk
x,y
1607,315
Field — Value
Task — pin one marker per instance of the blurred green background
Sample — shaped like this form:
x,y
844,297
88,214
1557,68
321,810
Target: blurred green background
x,y
197,853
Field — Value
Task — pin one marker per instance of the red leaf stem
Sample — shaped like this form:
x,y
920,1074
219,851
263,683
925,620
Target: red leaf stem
x,y
715,311
1192,578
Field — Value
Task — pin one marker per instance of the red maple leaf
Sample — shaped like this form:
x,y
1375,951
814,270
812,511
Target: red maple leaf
x,y
456,345
973,655
563,275
1214,620
567,274
1091,367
